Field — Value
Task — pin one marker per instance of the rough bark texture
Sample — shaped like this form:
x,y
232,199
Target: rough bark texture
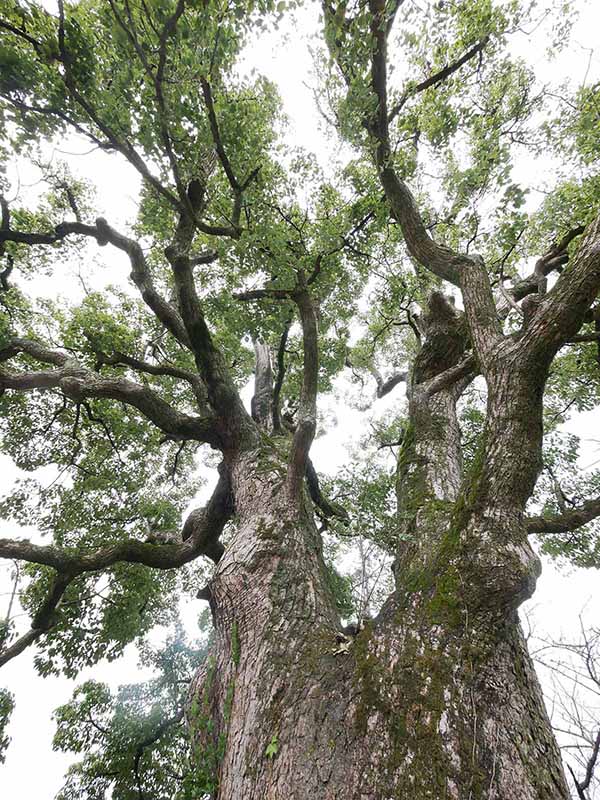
x,y
432,699
436,697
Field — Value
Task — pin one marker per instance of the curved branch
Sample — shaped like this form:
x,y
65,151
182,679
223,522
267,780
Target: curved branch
x,y
465,369
43,620
386,386
567,521
327,508
140,274
557,316
122,359
200,536
554,259
78,384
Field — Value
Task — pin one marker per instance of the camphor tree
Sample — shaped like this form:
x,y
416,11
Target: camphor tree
x,y
244,258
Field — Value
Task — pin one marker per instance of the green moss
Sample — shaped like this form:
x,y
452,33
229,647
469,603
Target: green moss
x,y
235,643
208,747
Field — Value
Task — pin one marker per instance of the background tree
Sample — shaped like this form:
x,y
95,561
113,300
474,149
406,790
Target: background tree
x,y
573,702
244,258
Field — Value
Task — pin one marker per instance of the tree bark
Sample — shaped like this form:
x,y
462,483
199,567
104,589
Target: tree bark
x,y
437,696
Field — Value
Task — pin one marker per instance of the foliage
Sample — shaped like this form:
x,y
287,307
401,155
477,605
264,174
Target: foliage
x,y
132,742
6,708
159,87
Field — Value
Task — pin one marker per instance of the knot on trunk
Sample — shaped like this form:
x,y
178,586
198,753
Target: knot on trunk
x,y
445,338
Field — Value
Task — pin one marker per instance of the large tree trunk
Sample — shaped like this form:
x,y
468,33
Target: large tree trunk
x,y
426,702
435,698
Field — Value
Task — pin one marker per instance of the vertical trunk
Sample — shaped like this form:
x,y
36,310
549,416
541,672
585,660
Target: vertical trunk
x,y
431,700
436,698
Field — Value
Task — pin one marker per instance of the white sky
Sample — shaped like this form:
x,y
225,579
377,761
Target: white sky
x,y
32,769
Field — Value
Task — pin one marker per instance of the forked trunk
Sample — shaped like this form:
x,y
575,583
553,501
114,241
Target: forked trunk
x,y
436,698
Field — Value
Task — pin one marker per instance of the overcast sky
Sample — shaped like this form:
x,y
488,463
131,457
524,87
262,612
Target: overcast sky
x,y
32,769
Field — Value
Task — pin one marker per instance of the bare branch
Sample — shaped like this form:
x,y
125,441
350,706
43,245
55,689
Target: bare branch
x,y
385,387
467,368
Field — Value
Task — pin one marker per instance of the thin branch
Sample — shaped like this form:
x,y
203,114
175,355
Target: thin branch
x,y
437,77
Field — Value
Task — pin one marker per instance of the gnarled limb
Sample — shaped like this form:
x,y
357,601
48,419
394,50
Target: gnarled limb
x,y
104,234
567,521
554,259
79,383
199,536
557,316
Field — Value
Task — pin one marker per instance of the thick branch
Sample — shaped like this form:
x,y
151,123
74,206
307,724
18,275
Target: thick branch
x,y
262,399
307,411
554,259
34,349
467,368
386,386
200,536
79,384
140,275
43,620
327,508
558,316
222,393
567,521
281,370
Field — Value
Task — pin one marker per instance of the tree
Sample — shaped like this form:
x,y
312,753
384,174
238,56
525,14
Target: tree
x,y
573,667
239,240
